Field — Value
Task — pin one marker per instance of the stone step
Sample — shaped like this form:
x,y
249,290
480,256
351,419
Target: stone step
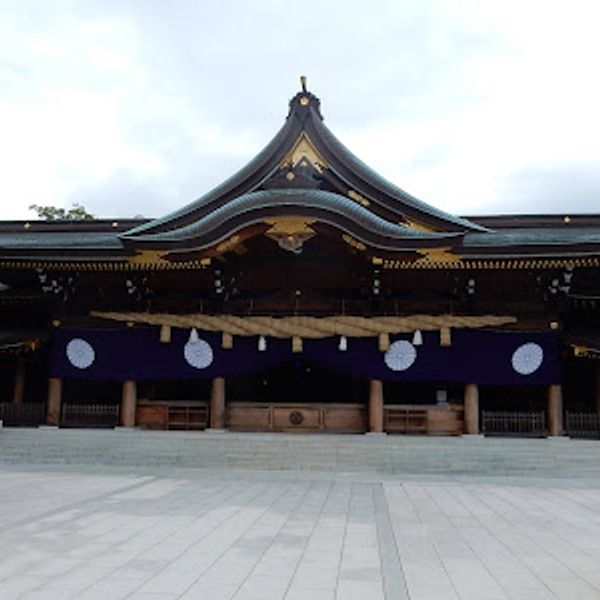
x,y
304,452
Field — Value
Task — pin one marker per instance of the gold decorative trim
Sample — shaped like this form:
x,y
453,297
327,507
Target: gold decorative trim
x,y
303,148
416,226
21,347
492,264
290,232
228,244
388,263
358,198
585,352
145,257
290,224
438,255
103,266
354,243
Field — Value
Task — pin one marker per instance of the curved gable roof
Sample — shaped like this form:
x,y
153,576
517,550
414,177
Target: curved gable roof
x,y
304,119
254,207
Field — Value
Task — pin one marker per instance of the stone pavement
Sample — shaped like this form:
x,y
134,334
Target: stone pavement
x,y
95,531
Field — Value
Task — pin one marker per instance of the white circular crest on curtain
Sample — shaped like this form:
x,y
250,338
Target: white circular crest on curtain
x,y
80,353
400,356
198,354
527,359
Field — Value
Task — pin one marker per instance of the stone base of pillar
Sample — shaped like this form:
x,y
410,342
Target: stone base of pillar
x,y
376,433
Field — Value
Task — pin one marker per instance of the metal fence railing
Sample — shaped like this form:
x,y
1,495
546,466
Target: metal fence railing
x,y
514,423
89,415
22,414
582,424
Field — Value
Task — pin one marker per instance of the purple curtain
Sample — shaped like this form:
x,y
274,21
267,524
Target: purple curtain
x,y
476,356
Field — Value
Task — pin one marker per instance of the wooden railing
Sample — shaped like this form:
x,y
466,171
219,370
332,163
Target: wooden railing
x,y
582,424
89,415
405,420
188,417
23,415
513,423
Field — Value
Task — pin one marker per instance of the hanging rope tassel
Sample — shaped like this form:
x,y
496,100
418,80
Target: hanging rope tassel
x,y
296,345
165,334
226,341
384,342
445,337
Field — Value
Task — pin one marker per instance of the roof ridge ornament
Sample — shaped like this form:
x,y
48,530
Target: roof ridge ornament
x,y
302,103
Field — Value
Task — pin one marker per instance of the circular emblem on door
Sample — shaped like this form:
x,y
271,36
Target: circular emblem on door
x,y
80,353
401,355
527,359
296,417
198,354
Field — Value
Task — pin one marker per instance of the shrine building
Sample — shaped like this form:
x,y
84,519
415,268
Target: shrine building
x,y
305,293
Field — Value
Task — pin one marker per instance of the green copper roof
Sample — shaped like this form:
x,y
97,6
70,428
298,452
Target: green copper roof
x,y
41,240
305,117
330,208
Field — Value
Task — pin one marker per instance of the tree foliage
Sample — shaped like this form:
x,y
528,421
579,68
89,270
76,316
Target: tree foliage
x,y
53,213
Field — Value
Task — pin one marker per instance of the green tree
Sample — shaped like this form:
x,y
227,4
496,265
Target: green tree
x,y
53,213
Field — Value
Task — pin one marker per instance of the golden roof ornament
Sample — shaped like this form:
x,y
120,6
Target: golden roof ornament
x,y
303,83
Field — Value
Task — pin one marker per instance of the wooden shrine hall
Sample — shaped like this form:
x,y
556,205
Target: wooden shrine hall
x,y
305,293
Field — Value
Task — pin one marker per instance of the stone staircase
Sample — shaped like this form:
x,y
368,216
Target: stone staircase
x,y
389,454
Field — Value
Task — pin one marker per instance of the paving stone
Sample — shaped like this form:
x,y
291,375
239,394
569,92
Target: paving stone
x,y
80,527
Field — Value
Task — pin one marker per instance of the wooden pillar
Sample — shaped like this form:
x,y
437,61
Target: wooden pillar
x,y
19,389
217,403
597,388
555,410
54,400
128,403
471,409
375,406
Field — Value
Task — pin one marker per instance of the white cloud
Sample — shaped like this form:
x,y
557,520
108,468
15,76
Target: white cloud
x,y
132,107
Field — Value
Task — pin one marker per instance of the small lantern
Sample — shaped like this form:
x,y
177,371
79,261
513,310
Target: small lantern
x,y
343,345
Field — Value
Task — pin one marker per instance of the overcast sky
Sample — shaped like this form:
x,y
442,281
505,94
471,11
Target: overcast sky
x,y
137,107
